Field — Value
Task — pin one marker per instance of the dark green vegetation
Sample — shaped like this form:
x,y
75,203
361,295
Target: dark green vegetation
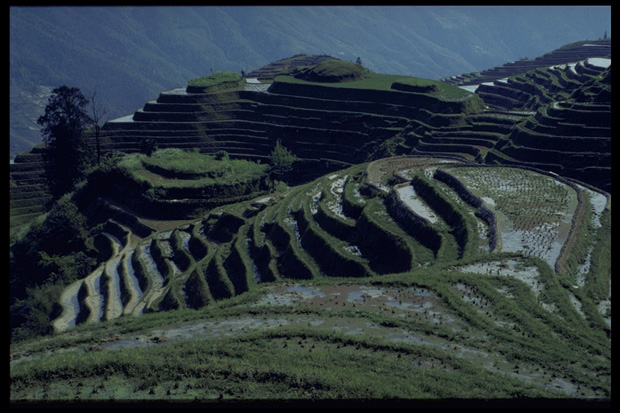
x,y
63,125
365,276
176,184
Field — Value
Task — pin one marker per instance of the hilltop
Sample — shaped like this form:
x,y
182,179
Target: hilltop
x,y
431,231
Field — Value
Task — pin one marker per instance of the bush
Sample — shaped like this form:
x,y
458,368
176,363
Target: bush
x,y
281,161
221,155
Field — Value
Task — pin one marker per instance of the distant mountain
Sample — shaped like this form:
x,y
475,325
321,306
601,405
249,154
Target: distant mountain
x,y
127,55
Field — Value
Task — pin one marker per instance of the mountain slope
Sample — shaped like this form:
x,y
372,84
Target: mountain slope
x,y
129,54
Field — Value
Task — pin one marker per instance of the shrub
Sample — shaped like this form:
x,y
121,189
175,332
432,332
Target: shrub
x,y
281,161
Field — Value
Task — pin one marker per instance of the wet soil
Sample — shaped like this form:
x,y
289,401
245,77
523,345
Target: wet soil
x,y
417,305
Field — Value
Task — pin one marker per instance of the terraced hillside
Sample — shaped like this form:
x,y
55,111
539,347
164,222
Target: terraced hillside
x,y
430,211
28,191
172,184
556,118
504,267
568,54
475,264
543,86
327,125
569,131
543,116
533,111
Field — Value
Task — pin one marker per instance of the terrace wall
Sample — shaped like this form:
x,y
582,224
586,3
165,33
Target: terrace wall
x,y
414,100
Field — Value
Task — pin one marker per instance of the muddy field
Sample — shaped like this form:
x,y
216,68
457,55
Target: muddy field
x,y
413,303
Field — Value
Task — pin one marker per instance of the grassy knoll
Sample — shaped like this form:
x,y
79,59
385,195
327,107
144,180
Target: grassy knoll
x,y
176,184
175,167
333,71
378,81
216,81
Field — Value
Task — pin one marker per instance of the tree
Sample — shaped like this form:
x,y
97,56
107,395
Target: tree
x,y
281,161
148,146
63,126
98,112
49,257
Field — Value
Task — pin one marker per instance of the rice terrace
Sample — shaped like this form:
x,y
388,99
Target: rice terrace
x,y
430,240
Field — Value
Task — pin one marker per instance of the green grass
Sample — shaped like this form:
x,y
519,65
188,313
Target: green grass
x,y
238,370
598,278
298,363
168,167
333,71
217,79
384,82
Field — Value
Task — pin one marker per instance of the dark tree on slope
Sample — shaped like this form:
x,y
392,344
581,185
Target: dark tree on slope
x,y
63,129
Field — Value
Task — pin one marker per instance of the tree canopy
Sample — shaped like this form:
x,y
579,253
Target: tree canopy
x,y
63,125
